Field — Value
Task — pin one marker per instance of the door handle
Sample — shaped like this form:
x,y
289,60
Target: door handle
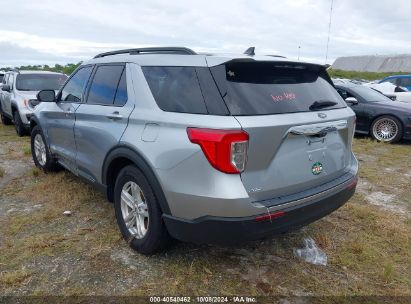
x,y
114,116
68,112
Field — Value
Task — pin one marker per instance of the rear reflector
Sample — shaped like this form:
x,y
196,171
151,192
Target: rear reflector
x,y
353,184
270,216
226,150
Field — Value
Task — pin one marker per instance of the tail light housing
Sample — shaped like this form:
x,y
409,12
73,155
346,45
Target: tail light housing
x,y
226,150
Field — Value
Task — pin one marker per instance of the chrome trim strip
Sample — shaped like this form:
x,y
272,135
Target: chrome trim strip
x,y
313,129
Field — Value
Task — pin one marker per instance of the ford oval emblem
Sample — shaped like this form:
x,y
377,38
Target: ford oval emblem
x,y
322,115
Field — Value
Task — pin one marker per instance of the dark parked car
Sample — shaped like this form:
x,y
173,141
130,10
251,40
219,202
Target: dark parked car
x,y
384,119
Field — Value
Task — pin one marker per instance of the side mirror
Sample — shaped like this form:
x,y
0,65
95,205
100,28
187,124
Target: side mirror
x,y
351,100
46,96
5,87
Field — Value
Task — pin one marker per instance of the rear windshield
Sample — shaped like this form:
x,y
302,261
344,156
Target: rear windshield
x,y
258,88
38,82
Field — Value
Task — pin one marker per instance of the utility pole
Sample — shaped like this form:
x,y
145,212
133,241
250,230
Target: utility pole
x,y
329,31
299,47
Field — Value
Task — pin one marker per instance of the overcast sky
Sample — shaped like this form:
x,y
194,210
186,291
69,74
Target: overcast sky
x,y
60,31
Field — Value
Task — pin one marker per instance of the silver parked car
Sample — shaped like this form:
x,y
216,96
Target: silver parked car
x,y
202,148
18,95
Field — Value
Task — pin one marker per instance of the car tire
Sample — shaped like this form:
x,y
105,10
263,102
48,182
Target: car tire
x,y
387,128
5,120
40,152
138,214
20,129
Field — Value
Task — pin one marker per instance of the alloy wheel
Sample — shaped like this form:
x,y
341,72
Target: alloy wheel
x,y
385,129
134,209
40,150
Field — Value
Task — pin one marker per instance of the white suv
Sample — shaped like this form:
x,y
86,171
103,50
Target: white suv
x,y
18,95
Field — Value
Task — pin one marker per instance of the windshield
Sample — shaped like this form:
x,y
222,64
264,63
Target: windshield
x,y
38,82
260,88
369,94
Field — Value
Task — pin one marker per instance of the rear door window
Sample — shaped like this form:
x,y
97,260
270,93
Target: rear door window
x,y
104,85
175,89
260,88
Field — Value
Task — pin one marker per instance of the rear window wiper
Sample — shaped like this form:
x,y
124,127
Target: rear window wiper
x,y
320,104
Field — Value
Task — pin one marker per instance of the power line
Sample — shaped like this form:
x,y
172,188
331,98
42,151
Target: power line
x,y
329,31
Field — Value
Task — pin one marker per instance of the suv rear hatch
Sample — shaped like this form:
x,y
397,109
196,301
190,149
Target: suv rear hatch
x,y
300,129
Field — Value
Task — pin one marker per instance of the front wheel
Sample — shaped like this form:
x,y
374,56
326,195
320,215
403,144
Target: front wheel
x,y
20,129
40,152
138,214
386,129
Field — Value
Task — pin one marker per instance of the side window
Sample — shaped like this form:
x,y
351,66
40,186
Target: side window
x,y
104,84
175,89
73,90
121,94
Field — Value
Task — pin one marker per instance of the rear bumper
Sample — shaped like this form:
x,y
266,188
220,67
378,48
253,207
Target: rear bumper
x,y
223,230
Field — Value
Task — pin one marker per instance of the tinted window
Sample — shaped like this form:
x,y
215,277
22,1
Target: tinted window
x,y
38,82
73,90
176,89
405,82
121,94
104,85
257,88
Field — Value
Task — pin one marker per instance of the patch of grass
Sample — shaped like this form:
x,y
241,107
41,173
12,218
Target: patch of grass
x,y
35,171
361,75
2,172
14,278
388,272
27,150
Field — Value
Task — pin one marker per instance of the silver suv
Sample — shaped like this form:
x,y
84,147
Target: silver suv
x,y
18,95
202,148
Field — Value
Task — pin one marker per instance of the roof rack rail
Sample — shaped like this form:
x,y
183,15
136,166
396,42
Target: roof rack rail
x,y
150,50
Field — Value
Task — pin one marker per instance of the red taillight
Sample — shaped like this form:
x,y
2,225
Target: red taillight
x,y
226,150
270,216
